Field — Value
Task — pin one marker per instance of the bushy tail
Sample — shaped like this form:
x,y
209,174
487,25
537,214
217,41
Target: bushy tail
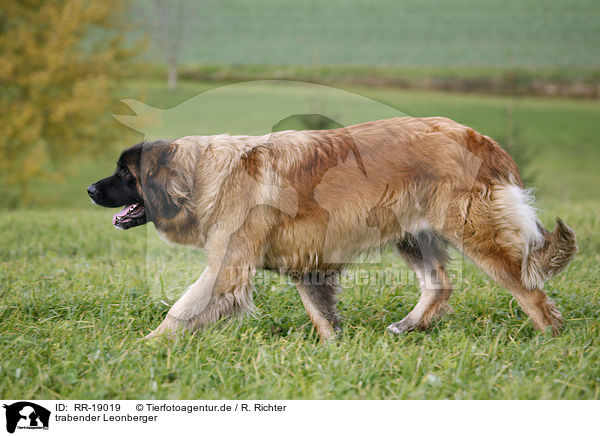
x,y
558,250
561,249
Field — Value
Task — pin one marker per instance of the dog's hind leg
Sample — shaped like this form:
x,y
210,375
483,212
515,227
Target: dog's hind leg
x,y
504,238
317,290
504,267
426,254
504,264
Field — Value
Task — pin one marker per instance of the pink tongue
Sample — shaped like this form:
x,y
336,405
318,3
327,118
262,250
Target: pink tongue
x,y
124,212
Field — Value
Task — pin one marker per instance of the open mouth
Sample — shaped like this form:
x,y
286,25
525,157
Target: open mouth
x,y
131,216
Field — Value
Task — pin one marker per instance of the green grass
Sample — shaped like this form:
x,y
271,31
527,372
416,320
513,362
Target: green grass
x,y
76,303
547,47
76,296
463,33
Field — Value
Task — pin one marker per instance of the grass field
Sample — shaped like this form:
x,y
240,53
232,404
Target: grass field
x,y
77,296
463,33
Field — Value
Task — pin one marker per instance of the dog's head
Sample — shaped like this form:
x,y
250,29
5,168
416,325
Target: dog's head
x,y
147,182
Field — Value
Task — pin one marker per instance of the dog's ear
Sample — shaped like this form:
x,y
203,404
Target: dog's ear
x,y
166,188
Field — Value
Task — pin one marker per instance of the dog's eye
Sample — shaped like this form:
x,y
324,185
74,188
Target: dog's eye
x,y
124,171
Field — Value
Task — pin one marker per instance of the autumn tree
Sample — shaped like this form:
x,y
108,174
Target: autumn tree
x,y
59,63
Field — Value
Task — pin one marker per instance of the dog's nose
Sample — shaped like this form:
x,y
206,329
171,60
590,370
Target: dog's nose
x,y
91,190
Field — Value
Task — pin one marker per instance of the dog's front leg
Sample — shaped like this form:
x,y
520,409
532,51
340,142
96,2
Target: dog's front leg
x,y
217,293
190,305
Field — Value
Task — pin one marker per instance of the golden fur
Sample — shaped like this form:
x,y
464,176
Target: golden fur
x,y
308,202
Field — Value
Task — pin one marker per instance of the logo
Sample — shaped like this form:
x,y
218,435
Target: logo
x,y
26,415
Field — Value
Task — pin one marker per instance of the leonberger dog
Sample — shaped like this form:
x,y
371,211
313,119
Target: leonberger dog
x,y
307,203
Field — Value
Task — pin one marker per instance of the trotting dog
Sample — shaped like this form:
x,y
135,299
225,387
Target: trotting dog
x,y
306,203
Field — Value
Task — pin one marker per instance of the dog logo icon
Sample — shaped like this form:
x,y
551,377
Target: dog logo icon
x,y
26,415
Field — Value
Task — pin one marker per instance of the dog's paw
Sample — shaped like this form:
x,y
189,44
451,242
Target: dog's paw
x,y
169,328
400,327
